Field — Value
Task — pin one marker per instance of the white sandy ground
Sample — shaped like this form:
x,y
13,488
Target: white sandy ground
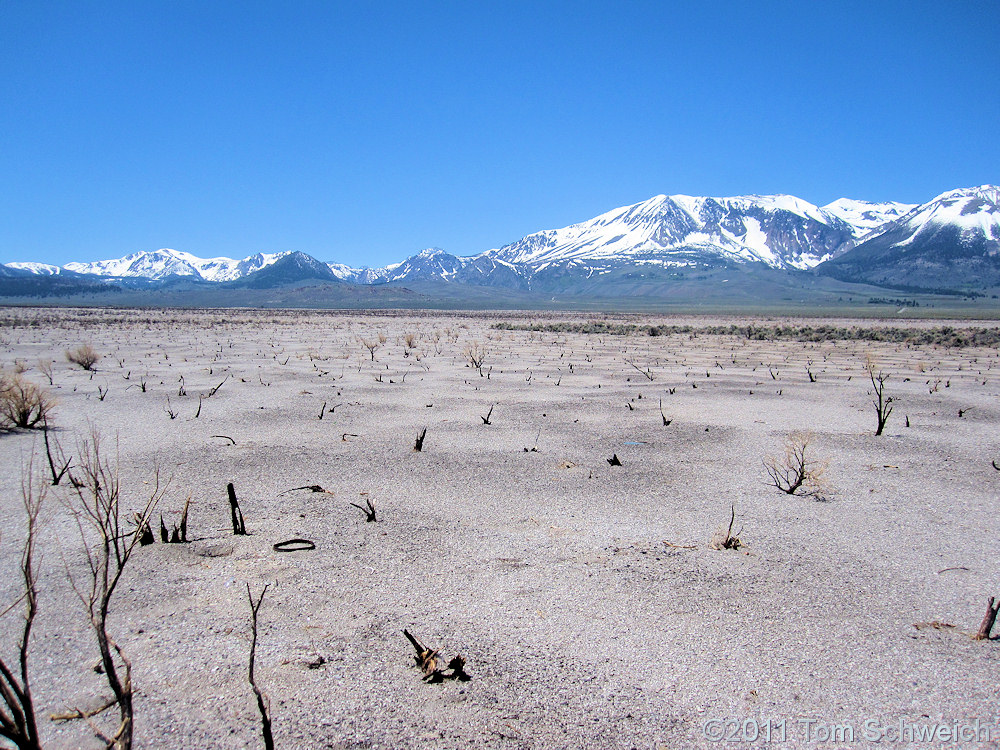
x,y
580,626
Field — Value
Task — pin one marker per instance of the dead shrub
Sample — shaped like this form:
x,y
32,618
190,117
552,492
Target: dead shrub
x,y
881,402
23,403
18,723
84,355
371,346
794,473
45,367
475,354
108,543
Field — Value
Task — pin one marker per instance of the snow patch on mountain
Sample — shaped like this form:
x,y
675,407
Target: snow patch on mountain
x,y
41,269
864,216
780,230
163,263
974,212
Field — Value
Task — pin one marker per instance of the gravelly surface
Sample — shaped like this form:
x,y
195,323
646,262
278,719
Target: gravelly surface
x,y
546,569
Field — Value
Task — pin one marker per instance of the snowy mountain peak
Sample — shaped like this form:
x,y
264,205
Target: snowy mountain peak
x,y
971,211
779,230
40,269
664,232
985,193
163,263
155,264
952,241
865,216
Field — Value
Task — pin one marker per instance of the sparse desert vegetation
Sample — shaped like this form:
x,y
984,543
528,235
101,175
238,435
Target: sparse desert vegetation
x,y
84,356
577,516
796,471
23,403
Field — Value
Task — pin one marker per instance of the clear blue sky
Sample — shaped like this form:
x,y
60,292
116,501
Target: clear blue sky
x,y
362,132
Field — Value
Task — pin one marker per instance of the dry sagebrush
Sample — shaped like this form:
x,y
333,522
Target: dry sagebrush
x,y
794,472
23,403
84,355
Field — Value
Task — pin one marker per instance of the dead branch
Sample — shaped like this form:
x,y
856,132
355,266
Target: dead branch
x,y
476,354
78,714
664,416
17,709
239,529
262,701
725,539
215,390
989,619
310,487
225,437
369,511
419,445
680,546
108,547
179,533
647,372
57,475
486,419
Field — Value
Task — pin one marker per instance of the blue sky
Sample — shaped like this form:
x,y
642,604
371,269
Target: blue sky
x,y
363,132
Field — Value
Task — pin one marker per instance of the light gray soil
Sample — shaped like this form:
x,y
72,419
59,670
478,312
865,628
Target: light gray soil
x,y
585,598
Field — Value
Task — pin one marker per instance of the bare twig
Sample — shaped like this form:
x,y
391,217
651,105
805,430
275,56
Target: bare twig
x,y
664,416
369,511
646,373
57,475
310,487
725,539
108,547
262,702
215,390
76,713
17,709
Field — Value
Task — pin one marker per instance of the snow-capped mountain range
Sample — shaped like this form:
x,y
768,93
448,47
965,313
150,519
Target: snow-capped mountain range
x,y
954,236
160,264
777,231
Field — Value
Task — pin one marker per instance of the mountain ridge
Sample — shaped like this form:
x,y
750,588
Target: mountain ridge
x,y
847,239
